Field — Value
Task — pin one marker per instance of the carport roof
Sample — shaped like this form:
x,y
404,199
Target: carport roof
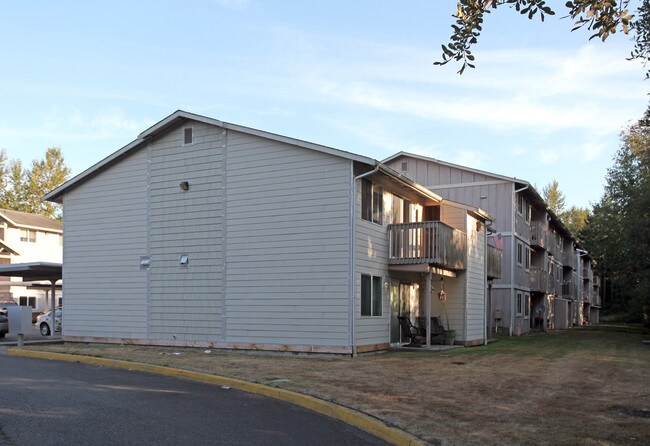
x,y
33,271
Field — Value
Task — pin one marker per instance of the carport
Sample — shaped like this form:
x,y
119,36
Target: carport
x,y
35,272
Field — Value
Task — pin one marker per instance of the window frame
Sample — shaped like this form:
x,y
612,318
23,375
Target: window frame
x,y
185,129
527,259
520,253
371,296
519,304
520,204
372,202
526,305
28,235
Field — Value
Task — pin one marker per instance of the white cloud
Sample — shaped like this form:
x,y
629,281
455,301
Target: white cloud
x,y
113,121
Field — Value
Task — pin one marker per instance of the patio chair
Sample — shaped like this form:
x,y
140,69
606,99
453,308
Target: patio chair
x,y
437,330
410,331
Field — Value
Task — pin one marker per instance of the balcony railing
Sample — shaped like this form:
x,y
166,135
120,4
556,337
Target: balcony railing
x,y
569,259
569,290
428,242
539,280
494,262
596,281
538,233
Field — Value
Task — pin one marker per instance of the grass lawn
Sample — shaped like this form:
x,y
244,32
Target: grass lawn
x,y
584,386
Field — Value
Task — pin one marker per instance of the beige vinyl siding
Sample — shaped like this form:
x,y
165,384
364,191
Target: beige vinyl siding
x,y
476,286
105,225
185,304
371,257
287,244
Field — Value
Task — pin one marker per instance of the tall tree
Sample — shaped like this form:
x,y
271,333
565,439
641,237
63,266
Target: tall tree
x,y
617,233
44,176
14,194
22,189
602,17
575,219
554,197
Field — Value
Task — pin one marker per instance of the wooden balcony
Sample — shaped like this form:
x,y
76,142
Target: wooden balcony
x,y
538,234
429,242
569,259
569,290
494,262
539,280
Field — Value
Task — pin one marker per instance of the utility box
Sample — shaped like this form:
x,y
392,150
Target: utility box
x,y
498,314
20,319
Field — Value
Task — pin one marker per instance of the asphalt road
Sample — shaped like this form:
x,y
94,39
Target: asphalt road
x,y
60,403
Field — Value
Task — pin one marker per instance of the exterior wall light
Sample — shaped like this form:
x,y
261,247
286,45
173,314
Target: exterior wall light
x,y
184,185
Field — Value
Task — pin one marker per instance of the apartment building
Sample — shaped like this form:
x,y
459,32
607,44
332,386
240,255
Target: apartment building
x,y
547,281
26,238
206,233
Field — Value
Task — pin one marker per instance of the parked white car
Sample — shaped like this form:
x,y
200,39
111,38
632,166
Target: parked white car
x,y
44,321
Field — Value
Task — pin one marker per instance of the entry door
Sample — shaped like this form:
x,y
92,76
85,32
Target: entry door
x,y
394,311
403,302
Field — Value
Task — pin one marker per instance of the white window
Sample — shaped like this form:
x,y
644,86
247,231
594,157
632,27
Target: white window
x,y
372,205
527,259
405,166
521,203
527,305
520,253
529,211
520,303
188,136
27,235
371,295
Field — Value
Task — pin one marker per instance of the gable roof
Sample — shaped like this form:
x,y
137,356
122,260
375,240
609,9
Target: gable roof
x,y
519,183
30,221
456,166
177,118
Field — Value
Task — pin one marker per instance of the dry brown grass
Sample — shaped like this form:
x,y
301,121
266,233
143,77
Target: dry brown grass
x,y
582,386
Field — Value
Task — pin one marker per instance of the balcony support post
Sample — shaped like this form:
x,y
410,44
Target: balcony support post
x,y
427,297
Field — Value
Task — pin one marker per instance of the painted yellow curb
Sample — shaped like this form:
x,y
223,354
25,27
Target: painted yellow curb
x,y
367,423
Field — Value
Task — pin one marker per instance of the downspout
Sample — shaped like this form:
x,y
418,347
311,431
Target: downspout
x,y
514,256
353,238
486,313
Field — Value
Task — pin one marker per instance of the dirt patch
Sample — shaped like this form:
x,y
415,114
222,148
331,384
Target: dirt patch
x,y
552,389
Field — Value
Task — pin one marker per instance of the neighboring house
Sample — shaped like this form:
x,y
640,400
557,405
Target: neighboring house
x,y
205,233
547,281
27,238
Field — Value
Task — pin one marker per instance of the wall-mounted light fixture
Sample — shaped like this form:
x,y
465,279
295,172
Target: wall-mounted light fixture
x,y
145,262
185,185
184,261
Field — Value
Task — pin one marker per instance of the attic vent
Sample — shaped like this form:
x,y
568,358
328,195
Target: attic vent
x,y
405,166
188,136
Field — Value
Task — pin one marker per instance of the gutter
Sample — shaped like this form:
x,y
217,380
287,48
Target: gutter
x,y
353,239
513,259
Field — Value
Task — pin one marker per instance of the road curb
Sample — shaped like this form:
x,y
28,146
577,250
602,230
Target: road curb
x,y
349,416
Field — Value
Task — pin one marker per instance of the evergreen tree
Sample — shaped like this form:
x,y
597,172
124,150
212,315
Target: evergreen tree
x,y
617,233
554,197
23,189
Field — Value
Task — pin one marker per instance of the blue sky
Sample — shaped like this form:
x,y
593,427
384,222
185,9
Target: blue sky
x,y
542,103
